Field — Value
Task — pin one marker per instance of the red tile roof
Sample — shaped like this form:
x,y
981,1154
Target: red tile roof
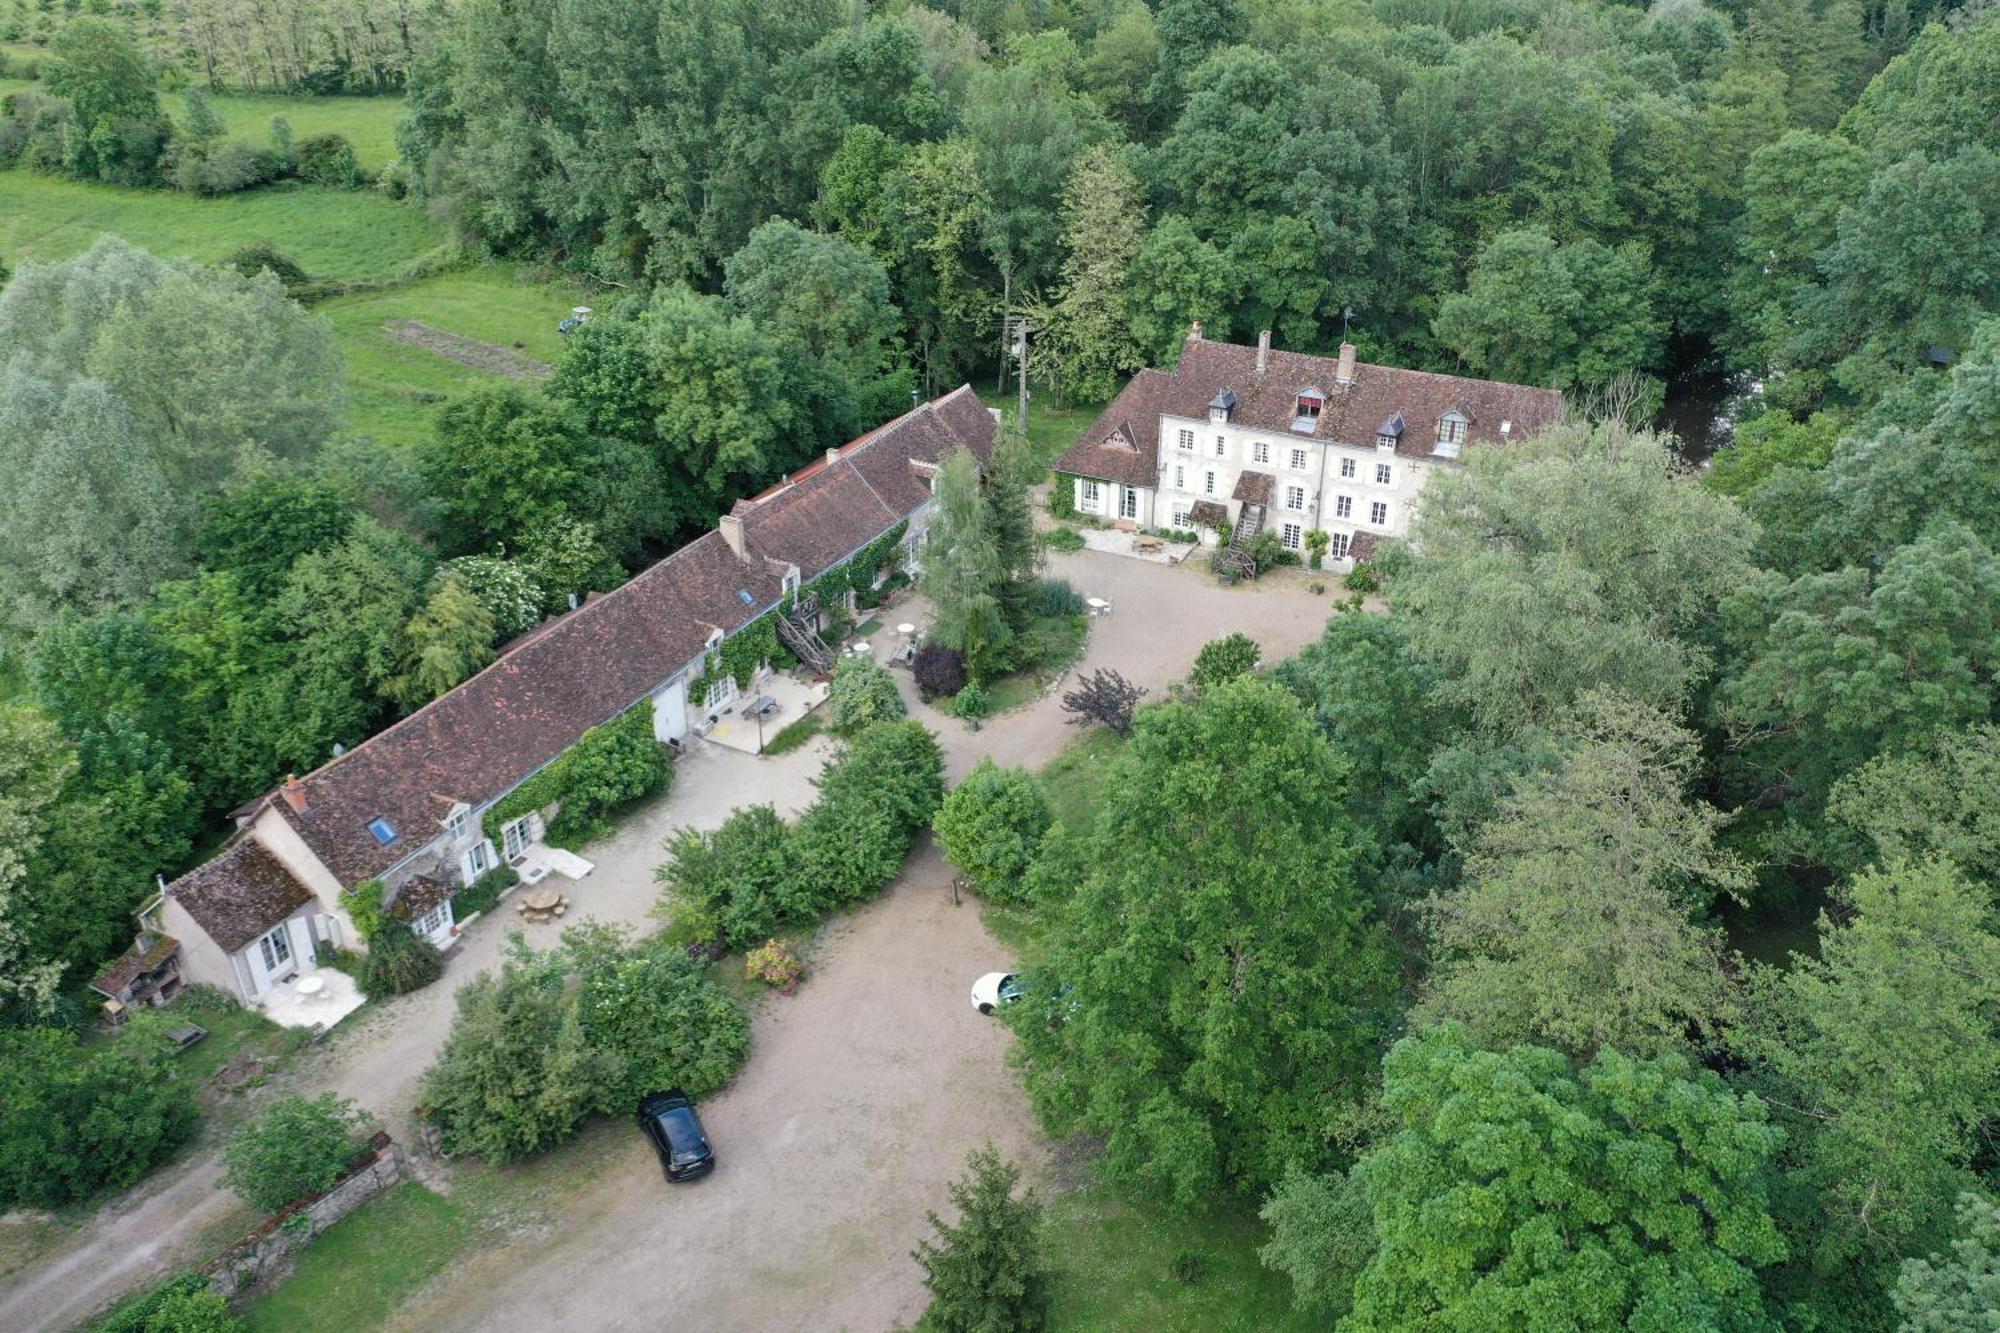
x,y
241,894
477,741
1123,443
1354,412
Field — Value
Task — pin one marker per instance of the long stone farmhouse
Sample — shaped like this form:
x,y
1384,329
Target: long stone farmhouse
x,y
406,806
1239,438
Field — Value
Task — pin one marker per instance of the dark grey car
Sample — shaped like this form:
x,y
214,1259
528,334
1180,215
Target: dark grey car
x,y
675,1132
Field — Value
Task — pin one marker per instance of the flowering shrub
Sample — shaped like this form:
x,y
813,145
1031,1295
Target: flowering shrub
x,y
776,964
507,591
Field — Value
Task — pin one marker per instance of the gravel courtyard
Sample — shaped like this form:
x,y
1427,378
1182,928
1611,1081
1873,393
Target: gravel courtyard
x,y
861,1099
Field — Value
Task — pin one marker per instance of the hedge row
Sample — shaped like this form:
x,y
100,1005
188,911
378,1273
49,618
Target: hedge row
x,y
607,769
741,883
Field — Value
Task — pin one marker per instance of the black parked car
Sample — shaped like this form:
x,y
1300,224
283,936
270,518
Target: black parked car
x,y
676,1134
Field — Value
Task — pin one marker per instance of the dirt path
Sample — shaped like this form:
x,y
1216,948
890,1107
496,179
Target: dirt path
x,y
490,357
177,1217
861,1098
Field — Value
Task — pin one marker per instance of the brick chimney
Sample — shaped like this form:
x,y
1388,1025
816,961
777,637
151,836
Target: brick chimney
x,y
1194,332
1345,374
1263,350
732,532
294,793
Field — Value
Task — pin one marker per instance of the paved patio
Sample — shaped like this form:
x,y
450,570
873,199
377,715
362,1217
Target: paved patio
x,y
296,1006
794,697
1130,544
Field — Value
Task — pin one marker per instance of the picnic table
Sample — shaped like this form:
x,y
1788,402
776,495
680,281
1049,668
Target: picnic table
x,y
543,904
762,706
186,1035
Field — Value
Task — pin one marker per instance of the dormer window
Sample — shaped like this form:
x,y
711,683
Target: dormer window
x,y
714,639
1311,403
1451,434
455,822
1220,406
1390,433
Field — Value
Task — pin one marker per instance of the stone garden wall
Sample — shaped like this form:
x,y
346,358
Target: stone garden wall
x,y
264,1257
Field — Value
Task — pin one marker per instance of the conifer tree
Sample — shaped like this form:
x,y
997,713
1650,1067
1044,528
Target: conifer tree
x,y
985,1273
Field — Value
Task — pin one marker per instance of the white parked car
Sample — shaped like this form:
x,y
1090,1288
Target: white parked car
x,y
995,989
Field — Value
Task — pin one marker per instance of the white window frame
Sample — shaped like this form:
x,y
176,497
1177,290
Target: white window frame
x,y
476,861
454,826
1222,446
1290,535
1208,483
1128,502
517,835
1347,469
275,959
1451,429
1343,506
1384,474
1181,519
1378,513
1180,478
1298,460
1260,451
1185,440
433,922
1295,498
1337,546
1087,495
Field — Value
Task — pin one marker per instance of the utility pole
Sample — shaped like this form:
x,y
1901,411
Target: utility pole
x,y
1021,362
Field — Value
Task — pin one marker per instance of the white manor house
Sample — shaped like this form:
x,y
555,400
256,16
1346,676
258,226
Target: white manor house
x,y
1245,438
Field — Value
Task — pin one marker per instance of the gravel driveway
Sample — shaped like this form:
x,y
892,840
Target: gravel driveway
x,y
861,1099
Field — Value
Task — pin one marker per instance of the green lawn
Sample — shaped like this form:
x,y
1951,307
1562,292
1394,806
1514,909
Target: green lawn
x,y
1050,429
1118,1267
1076,776
362,1268
346,235
368,122
394,388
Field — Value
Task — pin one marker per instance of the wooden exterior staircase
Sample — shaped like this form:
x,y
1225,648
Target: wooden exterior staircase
x,y
798,630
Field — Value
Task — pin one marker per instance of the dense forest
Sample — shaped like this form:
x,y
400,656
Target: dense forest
x,y
1613,706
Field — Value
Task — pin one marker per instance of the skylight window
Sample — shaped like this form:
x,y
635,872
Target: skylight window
x,y
384,832
743,595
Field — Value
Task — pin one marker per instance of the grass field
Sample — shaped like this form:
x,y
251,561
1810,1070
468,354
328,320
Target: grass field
x,y
394,388
1118,1267
364,1266
345,235
368,122
1050,429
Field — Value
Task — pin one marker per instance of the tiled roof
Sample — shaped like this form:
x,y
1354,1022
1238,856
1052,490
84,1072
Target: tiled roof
x,y
416,895
1209,514
1254,487
1365,546
134,963
1353,411
241,894
1123,444
478,740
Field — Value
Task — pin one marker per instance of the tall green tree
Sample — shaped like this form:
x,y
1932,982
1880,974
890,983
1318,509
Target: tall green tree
x,y
1177,280
1581,559
1534,312
498,460
1520,1190
1086,335
1881,1053
36,765
986,1271
445,642
1215,992
1955,1292
830,299
1011,519
962,570
1575,928
115,129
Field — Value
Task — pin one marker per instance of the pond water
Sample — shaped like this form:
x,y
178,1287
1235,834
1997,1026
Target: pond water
x,y
1699,409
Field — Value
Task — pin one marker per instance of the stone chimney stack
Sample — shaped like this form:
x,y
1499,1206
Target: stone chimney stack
x,y
732,532
294,792
1263,350
1194,332
1345,375
832,456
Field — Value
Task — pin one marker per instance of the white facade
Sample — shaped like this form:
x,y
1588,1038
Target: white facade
x,y
1342,487
1115,502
